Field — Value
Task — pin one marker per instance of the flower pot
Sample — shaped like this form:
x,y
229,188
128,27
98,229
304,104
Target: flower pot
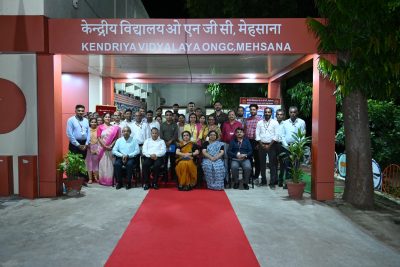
x,y
73,186
296,190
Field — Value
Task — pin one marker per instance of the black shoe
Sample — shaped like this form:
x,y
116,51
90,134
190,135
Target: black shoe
x,y
262,184
245,187
280,184
119,186
128,186
146,187
285,186
85,184
155,186
236,186
185,188
272,186
180,188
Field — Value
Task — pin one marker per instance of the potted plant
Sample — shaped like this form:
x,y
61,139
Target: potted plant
x,y
74,168
296,149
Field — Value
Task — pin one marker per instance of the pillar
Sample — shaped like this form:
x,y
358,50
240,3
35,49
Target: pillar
x,y
108,91
274,89
323,133
49,124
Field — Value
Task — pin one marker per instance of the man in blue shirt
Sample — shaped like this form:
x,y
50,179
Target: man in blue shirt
x,y
78,132
240,152
125,150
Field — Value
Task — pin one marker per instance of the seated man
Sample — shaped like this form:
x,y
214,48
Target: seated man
x,y
153,152
125,150
240,152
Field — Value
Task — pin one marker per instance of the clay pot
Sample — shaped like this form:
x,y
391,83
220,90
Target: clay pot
x,y
296,190
73,186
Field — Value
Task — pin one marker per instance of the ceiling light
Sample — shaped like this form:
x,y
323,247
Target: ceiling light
x,y
251,76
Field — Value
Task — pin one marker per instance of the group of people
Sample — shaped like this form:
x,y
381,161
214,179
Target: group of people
x,y
196,147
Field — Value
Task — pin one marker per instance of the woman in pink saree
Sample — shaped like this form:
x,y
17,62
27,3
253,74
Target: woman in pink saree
x,y
107,135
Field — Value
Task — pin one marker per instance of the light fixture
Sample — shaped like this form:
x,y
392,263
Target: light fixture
x,y
75,4
251,76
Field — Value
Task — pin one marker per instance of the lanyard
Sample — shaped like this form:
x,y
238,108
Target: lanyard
x,y
139,125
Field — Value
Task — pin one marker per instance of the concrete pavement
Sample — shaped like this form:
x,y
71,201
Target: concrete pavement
x,y
83,231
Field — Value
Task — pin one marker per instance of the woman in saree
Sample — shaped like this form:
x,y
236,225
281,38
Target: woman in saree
x,y
92,158
192,128
202,130
212,126
181,125
186,168
107,135
213,163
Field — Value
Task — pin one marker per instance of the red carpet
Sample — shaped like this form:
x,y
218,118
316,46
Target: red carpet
x,y
172,228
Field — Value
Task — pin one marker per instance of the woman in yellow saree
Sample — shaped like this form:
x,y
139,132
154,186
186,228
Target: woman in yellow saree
x,y
186,168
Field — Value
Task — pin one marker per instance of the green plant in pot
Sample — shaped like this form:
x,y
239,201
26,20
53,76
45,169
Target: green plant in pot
x,y
74,167
296,149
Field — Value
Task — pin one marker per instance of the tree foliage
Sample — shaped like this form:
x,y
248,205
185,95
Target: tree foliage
x,y
365,34
301,95
229,94
384,123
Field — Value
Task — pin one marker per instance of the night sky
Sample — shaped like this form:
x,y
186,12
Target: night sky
x,y
165,9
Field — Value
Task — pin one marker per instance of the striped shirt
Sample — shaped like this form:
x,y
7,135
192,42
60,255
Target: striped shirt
x,y
250,127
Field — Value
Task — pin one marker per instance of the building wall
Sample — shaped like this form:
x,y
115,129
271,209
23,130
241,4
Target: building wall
x,y
183,94
22,7
95,92
74,91
21,70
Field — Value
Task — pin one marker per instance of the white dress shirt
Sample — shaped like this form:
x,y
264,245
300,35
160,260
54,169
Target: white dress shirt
x,y
151,125
280,131
289,128
267,131
139,131
156,147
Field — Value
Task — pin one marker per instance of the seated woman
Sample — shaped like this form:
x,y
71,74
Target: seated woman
x,y
213,163
186,169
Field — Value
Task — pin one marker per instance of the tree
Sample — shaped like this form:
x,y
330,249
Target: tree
x,y
229,94
365,34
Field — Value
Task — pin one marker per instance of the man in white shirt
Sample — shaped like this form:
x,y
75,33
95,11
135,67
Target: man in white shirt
x,y
138,128
267,135
125,151
154,150
143,114
128,120
290,127
117,118
150,124
280,117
